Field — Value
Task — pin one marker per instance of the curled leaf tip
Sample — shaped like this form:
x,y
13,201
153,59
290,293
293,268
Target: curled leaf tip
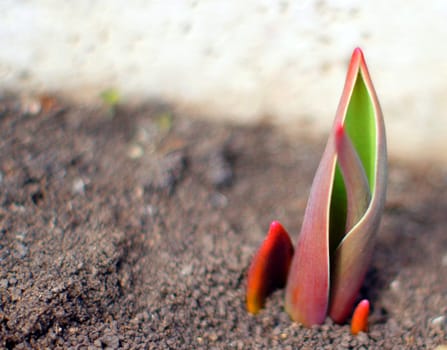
x,y
269,267
359,322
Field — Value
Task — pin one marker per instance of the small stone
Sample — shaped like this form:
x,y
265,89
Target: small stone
x,y
112,341
73,330
213,337
31,106
186,270
218,200
395,285
135,151
20,250
139,192
444,260
219,173
4,283
78,186
362,338
16,294
438,321
21,236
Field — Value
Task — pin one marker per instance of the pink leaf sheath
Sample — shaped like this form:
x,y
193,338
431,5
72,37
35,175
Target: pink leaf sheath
x,y
307,289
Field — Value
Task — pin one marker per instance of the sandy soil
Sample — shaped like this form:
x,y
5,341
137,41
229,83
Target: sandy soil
x,y
135,229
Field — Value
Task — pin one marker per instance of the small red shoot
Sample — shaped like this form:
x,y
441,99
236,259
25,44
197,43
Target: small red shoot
x,y
269,268
359,322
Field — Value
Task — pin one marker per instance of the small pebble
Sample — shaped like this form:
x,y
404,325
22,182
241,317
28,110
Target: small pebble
x,y
213,337
20,250
78,186
218,200
186,270
444,260
4,283
219,173
139,192
395,285
31,106
283,336
438,321
362,338
111,341
135,151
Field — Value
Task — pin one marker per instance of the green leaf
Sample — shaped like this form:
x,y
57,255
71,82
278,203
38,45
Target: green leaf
x,y
355,181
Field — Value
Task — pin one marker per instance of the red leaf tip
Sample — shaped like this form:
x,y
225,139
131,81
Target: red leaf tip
x,y
358,51
358,58
359,322
275,227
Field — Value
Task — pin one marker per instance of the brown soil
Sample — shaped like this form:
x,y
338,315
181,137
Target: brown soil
x,y
135,230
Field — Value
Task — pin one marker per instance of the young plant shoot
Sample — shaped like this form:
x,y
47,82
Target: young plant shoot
x,y
324,274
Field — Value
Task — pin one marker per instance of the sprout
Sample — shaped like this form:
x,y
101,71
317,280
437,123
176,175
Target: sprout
x,y
343,211
359,322
270,267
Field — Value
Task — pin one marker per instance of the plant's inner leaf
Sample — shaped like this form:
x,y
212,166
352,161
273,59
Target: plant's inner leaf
x,y
360,125
338,211
356,183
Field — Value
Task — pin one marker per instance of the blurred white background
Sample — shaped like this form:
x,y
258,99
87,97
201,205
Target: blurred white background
x,y
240,60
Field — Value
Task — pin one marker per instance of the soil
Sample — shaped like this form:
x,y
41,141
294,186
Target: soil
x,y
133,227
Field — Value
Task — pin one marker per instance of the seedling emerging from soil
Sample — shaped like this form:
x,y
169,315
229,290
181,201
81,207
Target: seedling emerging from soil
x,y
341,219
270,267
359,322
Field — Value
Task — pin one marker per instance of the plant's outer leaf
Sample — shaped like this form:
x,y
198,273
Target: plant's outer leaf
x,y
307,289
364,122
356,184
269,267
359,322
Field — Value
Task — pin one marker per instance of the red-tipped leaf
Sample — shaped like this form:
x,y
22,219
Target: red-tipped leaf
x,y
359,322
269,268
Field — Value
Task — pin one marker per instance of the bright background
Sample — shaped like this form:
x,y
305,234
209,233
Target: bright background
x,y
241,60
